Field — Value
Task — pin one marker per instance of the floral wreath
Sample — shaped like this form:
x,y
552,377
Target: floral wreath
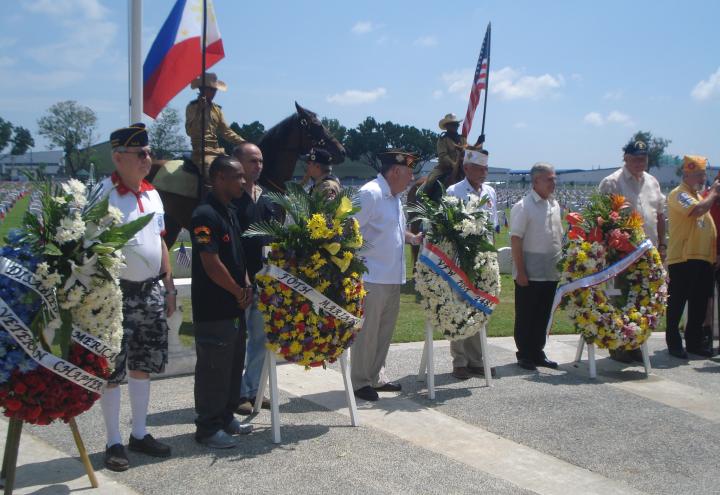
x,y
461,230
606,232
69,256
319,249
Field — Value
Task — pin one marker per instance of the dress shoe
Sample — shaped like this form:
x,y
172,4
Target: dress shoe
x,y
367,393
700,351
526,364
461,373
678,353
389,387
116,459
219,440
265,404
480,371
148,445
545,363
237,428
245,408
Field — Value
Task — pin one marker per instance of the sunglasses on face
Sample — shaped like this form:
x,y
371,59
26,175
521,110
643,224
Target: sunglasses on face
x,y
142,154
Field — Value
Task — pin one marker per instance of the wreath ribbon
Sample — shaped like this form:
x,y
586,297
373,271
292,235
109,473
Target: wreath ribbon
x,y
598,278
25,338
319,300
440,263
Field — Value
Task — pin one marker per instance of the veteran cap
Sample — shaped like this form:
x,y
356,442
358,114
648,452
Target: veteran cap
x,y
135,135
318,156
396,156
694,163
636,148
476,156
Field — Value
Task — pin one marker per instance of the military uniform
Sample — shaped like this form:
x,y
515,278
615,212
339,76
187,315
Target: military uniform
x,y
325,183
450,148
215,126
328,185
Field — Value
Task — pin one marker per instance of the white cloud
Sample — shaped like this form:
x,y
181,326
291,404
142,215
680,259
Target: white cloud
x,y
458,81
511,84
426,41
615,94
364,27
614,117
357,97
88,9
520,125
437,94
706,89
594,118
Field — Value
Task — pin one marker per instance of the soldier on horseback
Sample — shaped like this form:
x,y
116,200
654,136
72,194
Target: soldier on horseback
x,y
450,149
215,124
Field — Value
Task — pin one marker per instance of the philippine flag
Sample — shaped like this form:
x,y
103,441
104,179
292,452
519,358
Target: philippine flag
x,y
175,58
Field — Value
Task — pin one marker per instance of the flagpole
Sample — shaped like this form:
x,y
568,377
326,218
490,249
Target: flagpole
x,y
135,60
201,165
487,84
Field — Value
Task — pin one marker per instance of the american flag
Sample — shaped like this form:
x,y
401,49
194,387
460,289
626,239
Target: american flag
x,y
480,82
182,258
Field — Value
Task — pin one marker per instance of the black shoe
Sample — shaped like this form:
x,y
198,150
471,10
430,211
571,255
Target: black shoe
x,y
461,373
389,387
678,353
116,459
700,351
480,371
245,408
367,393
545,363
148,445
526,364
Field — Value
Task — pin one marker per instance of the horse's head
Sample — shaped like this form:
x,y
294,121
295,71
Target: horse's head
x,y
316,135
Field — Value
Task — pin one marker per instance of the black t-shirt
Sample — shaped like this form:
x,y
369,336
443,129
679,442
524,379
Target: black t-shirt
x,y
215,228
250,212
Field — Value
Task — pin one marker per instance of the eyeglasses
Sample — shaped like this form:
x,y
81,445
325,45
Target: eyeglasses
x,y
142,154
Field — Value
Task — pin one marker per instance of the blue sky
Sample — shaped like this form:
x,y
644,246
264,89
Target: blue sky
x,y
570,81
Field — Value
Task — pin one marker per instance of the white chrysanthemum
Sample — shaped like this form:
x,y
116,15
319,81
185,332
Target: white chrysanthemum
x,y
70,229
73,187
59,200
114,215
452,200
100,313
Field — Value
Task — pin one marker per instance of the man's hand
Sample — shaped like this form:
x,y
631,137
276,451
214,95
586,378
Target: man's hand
x,y
522,279
170,304
244,297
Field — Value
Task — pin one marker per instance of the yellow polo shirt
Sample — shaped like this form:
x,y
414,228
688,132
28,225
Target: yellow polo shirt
x,y
691,238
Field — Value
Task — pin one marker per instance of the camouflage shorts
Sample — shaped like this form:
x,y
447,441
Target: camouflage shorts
x,y
145,337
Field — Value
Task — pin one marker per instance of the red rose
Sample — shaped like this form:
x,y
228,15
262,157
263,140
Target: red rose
x,y
13,404
20,388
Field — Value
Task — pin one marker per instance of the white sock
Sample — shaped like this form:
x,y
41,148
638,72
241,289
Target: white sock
x,y
139,391
110,405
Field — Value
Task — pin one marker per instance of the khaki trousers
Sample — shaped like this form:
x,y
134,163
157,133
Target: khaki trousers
x,y
466,352
367,357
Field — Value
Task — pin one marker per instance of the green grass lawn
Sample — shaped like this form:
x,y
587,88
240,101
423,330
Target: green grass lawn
x,y
13,219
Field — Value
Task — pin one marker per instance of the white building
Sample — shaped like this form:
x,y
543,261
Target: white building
x,y
14,167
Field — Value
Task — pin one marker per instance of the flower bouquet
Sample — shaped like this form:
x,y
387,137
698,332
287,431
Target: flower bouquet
x,y
457,272
605,241
60,304
310,290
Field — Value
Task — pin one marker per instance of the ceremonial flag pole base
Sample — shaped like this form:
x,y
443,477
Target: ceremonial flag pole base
x,y
269,373
12,447
591,357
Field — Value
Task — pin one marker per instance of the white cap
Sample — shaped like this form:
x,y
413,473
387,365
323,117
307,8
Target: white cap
x,y
475,157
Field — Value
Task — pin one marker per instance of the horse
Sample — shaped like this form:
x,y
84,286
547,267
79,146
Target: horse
x,y
281,145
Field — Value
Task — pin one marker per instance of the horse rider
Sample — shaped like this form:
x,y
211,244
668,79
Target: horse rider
x,y
215,125
319,169
450,151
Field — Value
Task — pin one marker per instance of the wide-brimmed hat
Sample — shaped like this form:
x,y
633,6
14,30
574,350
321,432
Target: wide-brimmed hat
x,y
450,118
211,81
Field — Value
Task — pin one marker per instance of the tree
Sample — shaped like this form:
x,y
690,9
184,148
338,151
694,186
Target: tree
x,y
656,146
70,126
6,129
22,141
338,130
165,137
370,138
250,132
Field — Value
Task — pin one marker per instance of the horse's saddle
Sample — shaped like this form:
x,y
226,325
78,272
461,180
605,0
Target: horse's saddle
x,y
178,177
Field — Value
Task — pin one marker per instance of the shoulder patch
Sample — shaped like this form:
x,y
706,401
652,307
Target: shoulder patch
x,y
202,234
685,200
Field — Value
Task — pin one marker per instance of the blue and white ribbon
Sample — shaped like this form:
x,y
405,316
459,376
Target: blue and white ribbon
x,y
598,278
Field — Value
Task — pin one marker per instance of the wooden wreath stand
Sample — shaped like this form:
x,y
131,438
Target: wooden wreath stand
x,y
12,446
269,371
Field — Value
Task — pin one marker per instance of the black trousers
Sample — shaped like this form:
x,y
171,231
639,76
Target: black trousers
x,y
691,282
220,348
532,312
